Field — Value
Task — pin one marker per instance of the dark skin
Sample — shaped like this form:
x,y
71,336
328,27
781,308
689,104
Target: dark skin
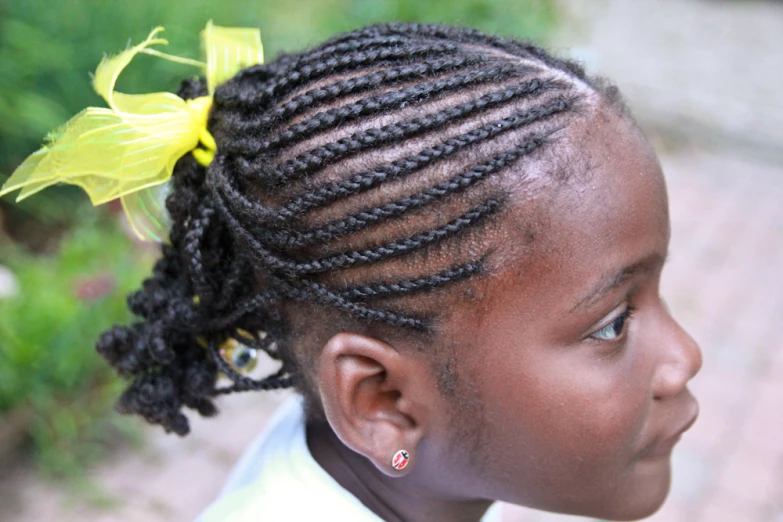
x,y
573,374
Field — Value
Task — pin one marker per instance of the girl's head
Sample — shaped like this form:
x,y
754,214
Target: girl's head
x,y
452,243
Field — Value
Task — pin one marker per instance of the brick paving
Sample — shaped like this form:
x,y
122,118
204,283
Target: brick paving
x,y
723,282
701,67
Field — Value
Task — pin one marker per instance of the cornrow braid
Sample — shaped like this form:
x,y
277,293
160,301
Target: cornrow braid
x,y
293,77
513,47
368,180
300,62
398,288
384,78
381,151
367,217
376,104
400,246
328,154
313,292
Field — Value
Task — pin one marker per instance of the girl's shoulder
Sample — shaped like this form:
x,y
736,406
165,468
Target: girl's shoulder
x,y
278,479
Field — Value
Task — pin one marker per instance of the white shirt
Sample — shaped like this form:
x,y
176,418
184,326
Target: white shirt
x,y
277,479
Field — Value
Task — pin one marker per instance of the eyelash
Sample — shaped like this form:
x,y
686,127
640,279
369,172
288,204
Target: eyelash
x,y
621,322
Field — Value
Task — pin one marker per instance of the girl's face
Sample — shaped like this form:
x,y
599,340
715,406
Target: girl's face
x,y
577,368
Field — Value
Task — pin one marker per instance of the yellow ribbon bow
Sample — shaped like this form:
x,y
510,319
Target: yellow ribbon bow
x,y
129,149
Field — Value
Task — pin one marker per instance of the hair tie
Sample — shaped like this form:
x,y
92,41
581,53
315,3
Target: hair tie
x,y
130,148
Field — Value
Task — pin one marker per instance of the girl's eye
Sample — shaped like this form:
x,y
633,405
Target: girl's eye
x,y
614,329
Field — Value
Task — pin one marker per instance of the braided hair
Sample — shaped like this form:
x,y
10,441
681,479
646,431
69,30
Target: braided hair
x,y
355,178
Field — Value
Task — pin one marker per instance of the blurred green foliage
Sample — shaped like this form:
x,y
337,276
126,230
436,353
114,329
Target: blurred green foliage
x,y
49,370
47,51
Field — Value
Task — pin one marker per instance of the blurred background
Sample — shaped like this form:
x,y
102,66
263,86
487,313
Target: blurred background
x,y
703,78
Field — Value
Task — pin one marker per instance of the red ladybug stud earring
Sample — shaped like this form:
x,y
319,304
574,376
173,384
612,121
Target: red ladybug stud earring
x,y
400,460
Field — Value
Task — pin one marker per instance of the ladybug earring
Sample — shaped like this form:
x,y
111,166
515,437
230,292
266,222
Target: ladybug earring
x,y
400,460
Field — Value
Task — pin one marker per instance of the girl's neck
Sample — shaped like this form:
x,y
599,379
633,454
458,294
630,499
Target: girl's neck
x,y
392,499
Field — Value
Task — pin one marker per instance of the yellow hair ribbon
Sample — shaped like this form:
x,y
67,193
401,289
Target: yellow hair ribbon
x,y
129,150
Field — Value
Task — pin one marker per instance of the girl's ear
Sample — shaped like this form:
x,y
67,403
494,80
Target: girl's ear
x,y
375,399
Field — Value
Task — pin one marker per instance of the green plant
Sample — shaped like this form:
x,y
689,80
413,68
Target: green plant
x,y
48,366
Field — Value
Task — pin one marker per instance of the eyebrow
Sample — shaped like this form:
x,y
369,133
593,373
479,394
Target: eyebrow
x,y
613,280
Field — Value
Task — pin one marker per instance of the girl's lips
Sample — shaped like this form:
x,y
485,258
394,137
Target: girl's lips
x,y
662,447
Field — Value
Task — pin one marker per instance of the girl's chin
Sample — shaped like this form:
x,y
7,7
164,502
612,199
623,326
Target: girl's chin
x,y
639,497
648,492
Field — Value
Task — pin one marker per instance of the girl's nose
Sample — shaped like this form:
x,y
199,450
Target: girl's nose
x,y
680,359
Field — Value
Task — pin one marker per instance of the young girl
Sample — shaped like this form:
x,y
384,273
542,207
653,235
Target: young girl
x,y
452,243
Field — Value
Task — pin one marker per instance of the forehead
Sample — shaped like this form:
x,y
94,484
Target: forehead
x,y
609,212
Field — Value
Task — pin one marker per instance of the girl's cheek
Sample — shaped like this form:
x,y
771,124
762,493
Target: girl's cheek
x,y
608,408
569,403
